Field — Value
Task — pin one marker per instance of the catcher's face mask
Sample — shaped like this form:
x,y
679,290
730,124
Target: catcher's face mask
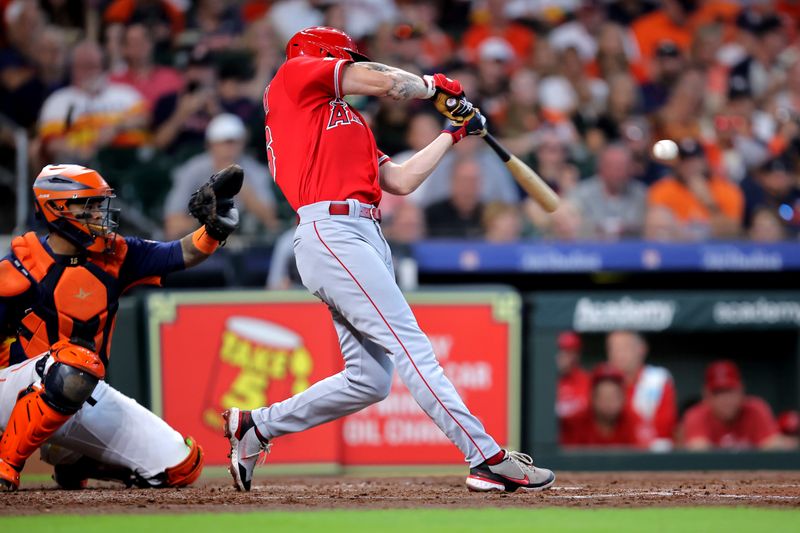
x,y
75,202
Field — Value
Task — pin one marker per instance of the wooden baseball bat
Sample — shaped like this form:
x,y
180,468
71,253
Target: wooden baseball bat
x,y
529,180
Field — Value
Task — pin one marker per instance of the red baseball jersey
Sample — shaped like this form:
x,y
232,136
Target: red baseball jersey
x,y
582,430
754,425
573,392
318,147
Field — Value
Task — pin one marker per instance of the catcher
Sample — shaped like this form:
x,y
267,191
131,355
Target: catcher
x,y
59,295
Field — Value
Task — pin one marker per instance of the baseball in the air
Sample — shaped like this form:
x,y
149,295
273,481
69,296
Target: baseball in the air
x,y
665,149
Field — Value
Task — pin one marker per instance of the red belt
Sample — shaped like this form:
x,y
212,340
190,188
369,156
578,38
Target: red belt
x,y
372,213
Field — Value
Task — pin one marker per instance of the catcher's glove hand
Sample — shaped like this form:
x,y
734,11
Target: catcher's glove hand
x,y
212,204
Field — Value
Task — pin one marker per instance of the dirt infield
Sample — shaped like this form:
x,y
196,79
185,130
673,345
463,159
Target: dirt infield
x,y
773,489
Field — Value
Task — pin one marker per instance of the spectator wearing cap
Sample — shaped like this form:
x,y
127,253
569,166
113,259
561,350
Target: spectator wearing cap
x,y
612,202
140,71
225,139
574,384
726,417
707,206
494,66
665,70
649,389
493,21
180,119
607,421
91,113
763,38
581,32
774,188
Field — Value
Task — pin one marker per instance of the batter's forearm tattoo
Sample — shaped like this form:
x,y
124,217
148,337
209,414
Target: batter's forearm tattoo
x,y
404,84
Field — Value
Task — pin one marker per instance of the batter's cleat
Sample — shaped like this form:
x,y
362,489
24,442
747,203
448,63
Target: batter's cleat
x,y
247,446
515,471
9,477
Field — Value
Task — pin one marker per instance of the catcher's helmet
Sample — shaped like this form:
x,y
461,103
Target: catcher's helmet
x,y
321,41
58,186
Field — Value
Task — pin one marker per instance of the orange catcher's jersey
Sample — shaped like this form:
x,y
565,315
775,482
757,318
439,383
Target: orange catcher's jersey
x,y
318,147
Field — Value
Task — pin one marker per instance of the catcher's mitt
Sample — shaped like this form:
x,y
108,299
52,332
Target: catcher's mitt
x,y
212,203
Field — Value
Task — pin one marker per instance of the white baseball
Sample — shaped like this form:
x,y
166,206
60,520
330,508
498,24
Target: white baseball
x,y
665,149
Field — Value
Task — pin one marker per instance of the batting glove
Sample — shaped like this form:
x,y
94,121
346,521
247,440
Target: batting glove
x,y
476,125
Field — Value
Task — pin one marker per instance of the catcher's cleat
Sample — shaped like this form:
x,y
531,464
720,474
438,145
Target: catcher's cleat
x,y
247,446
515,471
9,477
75,476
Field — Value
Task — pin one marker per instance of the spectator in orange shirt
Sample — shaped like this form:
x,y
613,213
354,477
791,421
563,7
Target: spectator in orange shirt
x,y
707,206
574,384
726,418
670,23
677,20
650,390
495,23
607,421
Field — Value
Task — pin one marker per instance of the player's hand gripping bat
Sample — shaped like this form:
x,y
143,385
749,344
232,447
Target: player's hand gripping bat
x,y
529,180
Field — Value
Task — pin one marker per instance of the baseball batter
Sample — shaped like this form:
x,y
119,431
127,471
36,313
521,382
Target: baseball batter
x,y
58,300
323,156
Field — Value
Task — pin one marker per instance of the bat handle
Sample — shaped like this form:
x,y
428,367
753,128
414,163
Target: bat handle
x,y
497,147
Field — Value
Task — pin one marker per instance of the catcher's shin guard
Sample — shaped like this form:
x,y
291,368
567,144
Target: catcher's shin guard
x,y
32,422
187,471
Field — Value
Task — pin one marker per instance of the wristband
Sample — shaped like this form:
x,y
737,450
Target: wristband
x,y
430,86
204,242
457,132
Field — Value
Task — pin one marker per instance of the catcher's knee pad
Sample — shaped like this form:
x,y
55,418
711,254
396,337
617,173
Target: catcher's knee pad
x,y
72,377
187,471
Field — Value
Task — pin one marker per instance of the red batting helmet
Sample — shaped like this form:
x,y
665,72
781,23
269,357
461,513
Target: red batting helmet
x,y
321,41
57,186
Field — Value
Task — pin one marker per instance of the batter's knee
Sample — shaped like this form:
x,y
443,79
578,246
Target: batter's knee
x,y
375,387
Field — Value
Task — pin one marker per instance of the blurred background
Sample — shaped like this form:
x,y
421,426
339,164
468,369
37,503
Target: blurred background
x,y
159,94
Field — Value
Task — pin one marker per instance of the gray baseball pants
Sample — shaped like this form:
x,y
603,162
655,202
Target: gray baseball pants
x,y
345,261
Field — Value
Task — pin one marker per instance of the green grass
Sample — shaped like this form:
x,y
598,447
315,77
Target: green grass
x,y
727,520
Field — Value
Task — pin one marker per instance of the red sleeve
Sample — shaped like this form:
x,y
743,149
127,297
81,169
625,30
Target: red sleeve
x,y
666,415
763,425
694,426
312,79
383,158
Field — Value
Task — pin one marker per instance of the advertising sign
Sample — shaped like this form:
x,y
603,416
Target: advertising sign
x,y
212,351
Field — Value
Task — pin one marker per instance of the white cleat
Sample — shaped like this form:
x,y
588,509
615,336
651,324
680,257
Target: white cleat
x,y
247,446
515,471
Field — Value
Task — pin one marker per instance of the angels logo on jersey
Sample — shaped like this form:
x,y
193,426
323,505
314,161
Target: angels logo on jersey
x,y
341,115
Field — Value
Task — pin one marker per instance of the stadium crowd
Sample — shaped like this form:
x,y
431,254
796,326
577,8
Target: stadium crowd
x,y
157,94
624,402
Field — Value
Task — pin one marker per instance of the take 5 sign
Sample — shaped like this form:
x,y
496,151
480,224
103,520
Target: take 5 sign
x,y
211,351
